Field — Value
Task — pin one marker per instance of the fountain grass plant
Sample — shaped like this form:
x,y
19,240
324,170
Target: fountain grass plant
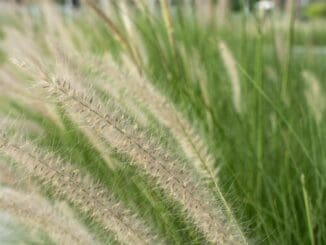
x,y
161,127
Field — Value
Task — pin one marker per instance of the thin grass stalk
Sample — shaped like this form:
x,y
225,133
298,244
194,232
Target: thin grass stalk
x,y
117,34
166,13
131,34
279,113
288,58
308,210
258,105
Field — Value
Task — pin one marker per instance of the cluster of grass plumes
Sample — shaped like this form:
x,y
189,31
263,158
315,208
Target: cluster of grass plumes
x,y
141,120
36,212
80,191
137,139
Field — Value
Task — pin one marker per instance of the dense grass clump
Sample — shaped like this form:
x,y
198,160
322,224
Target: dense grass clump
x,y
162,126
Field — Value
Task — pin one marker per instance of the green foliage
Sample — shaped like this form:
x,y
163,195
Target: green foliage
x,y
316,10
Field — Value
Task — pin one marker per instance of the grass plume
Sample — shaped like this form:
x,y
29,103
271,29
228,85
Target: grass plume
x,y
37,212
115,128
81,191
